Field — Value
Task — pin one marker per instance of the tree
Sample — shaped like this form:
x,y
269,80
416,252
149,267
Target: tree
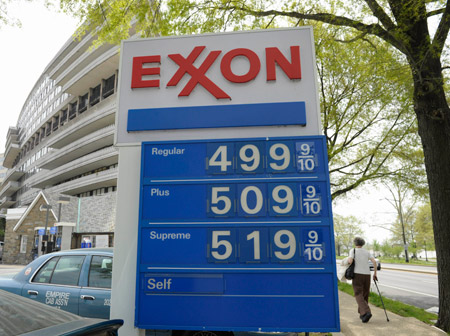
x,y
5,18
424,227
2,228
403,229
346,228
366,112
401,24
386,249
376,247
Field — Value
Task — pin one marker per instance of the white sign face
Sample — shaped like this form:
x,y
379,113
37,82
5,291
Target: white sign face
x,y
101,241
232,83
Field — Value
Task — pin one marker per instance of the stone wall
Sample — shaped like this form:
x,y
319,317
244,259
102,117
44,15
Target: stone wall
x,y
98,213
11,249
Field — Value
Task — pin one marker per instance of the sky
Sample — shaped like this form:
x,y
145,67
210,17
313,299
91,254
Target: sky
x,y
26,51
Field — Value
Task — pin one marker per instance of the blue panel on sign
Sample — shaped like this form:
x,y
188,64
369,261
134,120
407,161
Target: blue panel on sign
x,y
186,284
264,302
174,201
162,246
270,114
236,234
174,160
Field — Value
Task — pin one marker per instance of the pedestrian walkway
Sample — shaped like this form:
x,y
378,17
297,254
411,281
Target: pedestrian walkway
x,y
351,324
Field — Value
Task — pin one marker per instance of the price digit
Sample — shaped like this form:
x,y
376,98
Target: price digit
x,y
254,158
284,157
251,201
283,195
219,161
289,245
221,244
255,236
221,201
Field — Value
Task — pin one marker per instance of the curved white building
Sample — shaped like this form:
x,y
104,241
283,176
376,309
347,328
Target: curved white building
x,y
62,144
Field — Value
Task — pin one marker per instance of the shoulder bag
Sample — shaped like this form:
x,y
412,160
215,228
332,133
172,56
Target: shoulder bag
x,y
350,271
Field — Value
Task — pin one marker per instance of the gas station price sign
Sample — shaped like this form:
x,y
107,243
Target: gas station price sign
x,y
242,227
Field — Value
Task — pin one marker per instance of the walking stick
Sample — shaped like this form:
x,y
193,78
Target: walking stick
x,y
381,299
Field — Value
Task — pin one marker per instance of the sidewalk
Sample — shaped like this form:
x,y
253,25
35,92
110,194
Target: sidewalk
x,y
351,325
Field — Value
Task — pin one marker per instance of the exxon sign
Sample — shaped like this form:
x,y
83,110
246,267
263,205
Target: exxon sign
x,y
258,82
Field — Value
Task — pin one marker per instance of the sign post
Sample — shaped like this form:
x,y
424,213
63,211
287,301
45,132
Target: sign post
x,y
233,227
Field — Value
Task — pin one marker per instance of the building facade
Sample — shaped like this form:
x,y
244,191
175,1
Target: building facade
x,y
3,170
62,146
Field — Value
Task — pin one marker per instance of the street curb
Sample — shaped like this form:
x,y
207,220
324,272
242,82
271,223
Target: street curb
x,y
408,270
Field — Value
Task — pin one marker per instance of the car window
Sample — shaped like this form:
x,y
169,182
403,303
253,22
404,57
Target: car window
x,y
45,273
100,272
61,271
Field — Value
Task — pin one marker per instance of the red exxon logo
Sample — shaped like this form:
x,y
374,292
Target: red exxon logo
x,y
141,68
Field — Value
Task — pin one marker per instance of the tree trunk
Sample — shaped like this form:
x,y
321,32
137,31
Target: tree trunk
x,y
433,115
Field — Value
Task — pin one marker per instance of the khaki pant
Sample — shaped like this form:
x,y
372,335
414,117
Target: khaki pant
x,y
361,288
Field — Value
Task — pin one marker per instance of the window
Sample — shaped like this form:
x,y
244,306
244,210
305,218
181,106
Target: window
x,y
82,105
94,98
73,110
61,271
63,117
23,244
100,272
108,86
48,129
55,123
45,272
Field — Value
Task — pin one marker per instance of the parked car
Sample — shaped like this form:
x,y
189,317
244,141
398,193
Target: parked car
x,y
21,316
77,281
378,264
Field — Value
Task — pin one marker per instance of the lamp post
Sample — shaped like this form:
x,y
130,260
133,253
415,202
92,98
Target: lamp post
x,y
46,207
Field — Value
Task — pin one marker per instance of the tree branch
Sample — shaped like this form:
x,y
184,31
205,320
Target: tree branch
x,y
380,14
442,30
332,19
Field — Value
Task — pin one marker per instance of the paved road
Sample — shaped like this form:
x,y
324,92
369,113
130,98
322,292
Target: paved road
x,y
410,284
414,288
7,270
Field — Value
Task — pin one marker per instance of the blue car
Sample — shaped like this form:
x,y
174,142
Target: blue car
x,y
77,281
